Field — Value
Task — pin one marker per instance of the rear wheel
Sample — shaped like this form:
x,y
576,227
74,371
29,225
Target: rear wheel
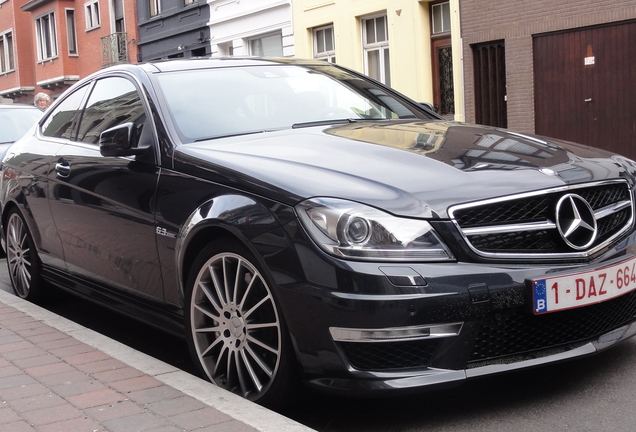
x,y
236,332
22,259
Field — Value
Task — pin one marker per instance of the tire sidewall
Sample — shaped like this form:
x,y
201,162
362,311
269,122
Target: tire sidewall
x,y
285,381
35,291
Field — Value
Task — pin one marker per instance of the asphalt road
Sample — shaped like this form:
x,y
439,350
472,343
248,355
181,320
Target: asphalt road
x,y
590,394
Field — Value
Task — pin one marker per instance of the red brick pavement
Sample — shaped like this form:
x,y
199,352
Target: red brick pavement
x,y
52,382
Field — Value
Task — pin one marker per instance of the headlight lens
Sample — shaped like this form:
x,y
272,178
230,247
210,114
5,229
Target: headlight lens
x,y
352,230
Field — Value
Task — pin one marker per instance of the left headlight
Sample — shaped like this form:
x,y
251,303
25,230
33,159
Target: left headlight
x,y
357,231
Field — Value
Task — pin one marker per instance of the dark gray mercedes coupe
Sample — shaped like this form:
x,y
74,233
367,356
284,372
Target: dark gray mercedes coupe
x,y
296,221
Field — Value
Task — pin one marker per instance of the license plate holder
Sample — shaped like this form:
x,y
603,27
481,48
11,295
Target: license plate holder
x,y
584,288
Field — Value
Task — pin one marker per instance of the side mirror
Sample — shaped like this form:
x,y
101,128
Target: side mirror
x,y
119,140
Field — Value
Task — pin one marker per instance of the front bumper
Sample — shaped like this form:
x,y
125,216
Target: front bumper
x,y
431,377
360,327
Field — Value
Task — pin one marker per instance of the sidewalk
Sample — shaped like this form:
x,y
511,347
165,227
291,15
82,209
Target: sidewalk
x,y
57,376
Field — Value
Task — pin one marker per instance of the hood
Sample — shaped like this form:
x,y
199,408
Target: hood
x,y
410,168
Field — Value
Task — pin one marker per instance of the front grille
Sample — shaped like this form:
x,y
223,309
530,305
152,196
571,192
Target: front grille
x,y
382,356
524,225
515,332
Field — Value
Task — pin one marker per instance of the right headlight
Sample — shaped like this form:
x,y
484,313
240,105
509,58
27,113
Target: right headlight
x,y
357,231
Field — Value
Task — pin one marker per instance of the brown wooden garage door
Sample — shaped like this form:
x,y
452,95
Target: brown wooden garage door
x,y
585,86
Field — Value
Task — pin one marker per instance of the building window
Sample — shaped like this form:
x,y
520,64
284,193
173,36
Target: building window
x,y
71,35
376,48
324,45
267,46
91,11
441,18
7,62
155,7
46,36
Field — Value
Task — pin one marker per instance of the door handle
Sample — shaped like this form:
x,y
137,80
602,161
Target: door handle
x,y
62,168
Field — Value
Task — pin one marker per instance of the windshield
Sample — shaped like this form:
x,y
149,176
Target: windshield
x,y
14,123
220,102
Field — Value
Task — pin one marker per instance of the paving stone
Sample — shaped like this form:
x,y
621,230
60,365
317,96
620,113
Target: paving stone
x,y
96,398
136,384
179,405
200,418
51,414
115,410
107,364
154,394
72,425
117,375
86,357
38,401
136,423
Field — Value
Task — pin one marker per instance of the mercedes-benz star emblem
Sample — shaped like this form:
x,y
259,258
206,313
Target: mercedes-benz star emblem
x,y
575,221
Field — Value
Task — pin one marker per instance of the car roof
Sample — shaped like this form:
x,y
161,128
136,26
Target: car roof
x,y
194,63
16,106
222,62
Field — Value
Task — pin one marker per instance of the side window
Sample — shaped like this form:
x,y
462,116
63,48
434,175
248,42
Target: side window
x,y
60,122
113,101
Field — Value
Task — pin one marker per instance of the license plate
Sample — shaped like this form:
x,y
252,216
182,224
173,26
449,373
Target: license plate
x,y
585,288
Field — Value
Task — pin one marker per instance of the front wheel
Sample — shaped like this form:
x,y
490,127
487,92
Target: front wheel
x,y
22,259
236,332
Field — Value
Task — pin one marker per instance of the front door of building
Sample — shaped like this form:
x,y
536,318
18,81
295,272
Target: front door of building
x,y
443,89
489,65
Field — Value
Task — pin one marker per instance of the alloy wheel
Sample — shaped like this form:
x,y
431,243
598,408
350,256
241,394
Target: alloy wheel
x,y
235,326
19,255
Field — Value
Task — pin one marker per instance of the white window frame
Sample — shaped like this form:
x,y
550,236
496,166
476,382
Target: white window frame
x,y
321,50
91,15
440,18
154,7
376,48
7,52
71,31
250,41
46,36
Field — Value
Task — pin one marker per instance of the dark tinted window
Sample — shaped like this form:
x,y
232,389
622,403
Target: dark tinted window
x,y
61,120
112,102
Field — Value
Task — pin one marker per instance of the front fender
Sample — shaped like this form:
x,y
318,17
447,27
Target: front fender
x,y
239,216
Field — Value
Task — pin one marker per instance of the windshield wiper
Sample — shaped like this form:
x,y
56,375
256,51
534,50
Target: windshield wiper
x,y
323,123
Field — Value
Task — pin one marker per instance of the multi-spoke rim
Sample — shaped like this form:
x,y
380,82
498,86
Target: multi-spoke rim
x,y
235,326
19,255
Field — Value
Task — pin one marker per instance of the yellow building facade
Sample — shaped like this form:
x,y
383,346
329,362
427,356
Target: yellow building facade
x,y
413,46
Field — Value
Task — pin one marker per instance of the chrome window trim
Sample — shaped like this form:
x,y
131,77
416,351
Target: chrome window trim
x,y
498,229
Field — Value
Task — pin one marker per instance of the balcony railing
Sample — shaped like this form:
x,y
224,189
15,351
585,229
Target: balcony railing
x,y
114,49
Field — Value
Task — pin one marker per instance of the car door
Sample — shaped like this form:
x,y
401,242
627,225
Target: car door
x,y
103,206
31,159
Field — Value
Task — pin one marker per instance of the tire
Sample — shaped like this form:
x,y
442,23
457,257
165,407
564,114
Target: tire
x,y
22,259
235,330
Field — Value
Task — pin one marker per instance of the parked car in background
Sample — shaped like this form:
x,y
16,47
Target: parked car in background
x,y
15,121
297,221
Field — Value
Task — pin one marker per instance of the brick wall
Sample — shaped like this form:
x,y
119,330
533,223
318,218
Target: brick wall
x,y
515,22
